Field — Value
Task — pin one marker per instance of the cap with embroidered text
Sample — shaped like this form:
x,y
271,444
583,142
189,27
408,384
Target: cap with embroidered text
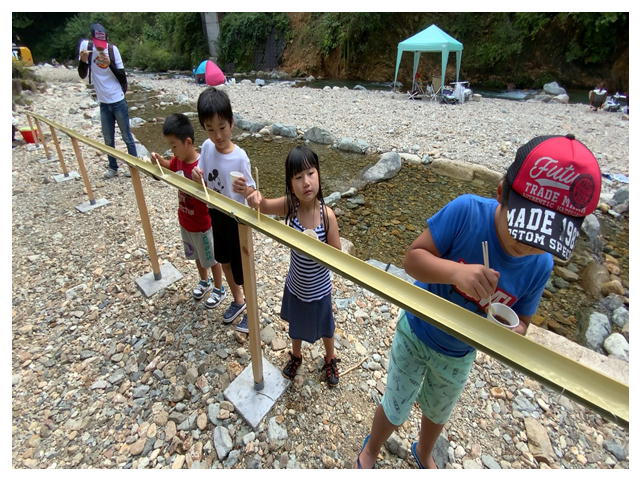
x,y
553,183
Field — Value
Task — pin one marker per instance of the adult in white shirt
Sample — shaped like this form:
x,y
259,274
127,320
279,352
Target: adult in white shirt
x,y
103,63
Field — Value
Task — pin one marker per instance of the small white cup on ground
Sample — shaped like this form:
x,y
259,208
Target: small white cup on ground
x,y
233,175
503,315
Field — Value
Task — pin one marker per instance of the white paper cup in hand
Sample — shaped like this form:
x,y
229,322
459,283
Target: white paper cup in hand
x,y
235,175
503,315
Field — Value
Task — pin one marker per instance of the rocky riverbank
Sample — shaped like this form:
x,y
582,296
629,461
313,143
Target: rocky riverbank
x,y
103,377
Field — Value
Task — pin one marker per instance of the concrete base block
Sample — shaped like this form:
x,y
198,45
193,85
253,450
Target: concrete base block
x,y
61,178
254,404
86,206
148,284
47,160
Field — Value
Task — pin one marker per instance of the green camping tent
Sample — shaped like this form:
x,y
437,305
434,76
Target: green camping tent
x,y
431,39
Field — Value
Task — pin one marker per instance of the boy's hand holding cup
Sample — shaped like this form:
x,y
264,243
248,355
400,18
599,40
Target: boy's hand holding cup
x,y
238,182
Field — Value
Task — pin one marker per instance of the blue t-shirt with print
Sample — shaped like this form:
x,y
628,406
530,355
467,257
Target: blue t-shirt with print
x,y
458,231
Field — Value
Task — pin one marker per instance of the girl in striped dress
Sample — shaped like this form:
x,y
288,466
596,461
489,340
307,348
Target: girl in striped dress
x,y
306,302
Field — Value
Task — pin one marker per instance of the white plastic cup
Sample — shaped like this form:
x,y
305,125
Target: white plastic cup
x,y
234,175
510,317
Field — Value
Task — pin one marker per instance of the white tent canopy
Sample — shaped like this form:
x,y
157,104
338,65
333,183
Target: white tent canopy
x,y
431,39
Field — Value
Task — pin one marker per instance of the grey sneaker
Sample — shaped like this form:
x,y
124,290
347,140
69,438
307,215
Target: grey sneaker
x,y
216,297
243,326
110,173
126,171
233,311
202,289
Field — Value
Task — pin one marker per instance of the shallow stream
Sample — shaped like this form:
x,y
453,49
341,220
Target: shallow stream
x,y
384,218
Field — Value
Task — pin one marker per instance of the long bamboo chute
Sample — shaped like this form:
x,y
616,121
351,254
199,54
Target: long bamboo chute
x,y
587,386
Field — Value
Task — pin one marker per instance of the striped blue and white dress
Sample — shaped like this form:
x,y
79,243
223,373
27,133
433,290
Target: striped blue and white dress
x,y
306,302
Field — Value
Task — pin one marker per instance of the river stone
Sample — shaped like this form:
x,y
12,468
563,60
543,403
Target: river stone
x,y
347,144
284,130
222,442
347,246
621,195
318,135
620,316
538,441
562,98
489,462
267,334
452,169
566,274
332,199
612,286
591,227
617,346
276,431
597,329
615,449
552,88
387,167
593,277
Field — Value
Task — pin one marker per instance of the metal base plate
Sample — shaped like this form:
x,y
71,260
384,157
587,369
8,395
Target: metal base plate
x,y
254,404
148,285
61,178
86,206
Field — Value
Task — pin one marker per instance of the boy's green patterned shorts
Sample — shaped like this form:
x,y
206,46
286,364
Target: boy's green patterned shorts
x,y
418,372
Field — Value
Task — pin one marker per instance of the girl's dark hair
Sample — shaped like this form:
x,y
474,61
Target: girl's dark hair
x,y
179,125
213,102
301,158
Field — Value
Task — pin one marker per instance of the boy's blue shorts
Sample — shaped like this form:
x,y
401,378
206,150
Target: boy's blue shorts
x,y
418,372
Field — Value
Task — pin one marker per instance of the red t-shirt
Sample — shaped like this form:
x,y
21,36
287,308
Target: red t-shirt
x,y
193,215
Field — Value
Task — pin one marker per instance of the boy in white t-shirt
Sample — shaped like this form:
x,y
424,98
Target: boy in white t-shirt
x,y
219,156
103,63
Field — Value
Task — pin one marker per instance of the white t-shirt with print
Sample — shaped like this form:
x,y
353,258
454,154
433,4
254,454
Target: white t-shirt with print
x,y
217,166
107,87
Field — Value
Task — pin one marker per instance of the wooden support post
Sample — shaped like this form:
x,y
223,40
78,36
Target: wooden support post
x,y
35,134
59,150
44,141
251,297
146,224
83,170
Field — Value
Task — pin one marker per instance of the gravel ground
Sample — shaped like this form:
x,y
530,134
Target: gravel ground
x,y
103,377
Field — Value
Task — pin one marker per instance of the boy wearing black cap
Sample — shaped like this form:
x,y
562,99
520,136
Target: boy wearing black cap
x,y
551,186
103,63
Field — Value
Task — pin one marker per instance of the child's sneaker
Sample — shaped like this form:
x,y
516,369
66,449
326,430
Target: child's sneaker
x,y
233,311
243,326
291,368
331,371
217,295
202,289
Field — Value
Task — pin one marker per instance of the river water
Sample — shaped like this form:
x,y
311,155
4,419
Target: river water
x,y
384,218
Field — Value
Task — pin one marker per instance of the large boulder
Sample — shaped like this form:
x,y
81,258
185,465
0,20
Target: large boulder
x,y
553,89
318,135
350,145
387,167
452,169
284,130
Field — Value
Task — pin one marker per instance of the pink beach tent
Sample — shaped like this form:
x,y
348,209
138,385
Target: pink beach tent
x,y
213,75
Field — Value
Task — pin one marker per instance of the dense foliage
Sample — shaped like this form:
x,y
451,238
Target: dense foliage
x,y
243,37
154,41
527,48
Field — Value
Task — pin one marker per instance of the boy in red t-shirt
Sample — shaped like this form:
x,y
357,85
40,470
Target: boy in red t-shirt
x,y
193,215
